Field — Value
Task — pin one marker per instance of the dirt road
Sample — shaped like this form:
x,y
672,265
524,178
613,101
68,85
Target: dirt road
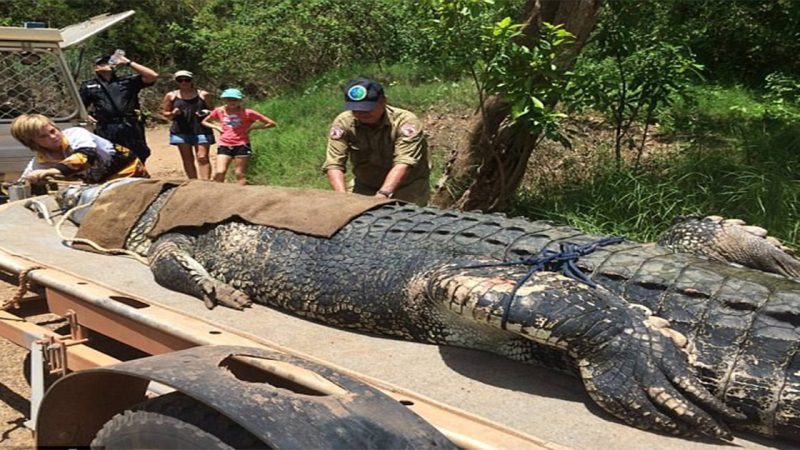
x,y
165,162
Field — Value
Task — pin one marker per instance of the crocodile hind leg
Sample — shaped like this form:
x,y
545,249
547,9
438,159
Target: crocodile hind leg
x,y
175,268
630,363
732,241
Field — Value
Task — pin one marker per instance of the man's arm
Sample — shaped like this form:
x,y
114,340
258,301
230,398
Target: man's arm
x,y
336,156
149,76
88,100
393,179
409,148
336,179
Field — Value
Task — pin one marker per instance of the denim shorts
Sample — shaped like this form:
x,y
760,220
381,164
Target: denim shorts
x,y
191,139
235,151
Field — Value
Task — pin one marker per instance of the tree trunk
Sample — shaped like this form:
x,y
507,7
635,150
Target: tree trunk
x,y
484,173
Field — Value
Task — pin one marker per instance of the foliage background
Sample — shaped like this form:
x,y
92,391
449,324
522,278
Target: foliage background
x,y
267,45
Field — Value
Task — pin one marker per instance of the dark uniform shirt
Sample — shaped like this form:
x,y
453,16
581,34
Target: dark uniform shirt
x,y
374,149
97,96
115,105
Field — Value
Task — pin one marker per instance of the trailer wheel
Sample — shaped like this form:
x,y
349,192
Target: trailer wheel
x,y
173,421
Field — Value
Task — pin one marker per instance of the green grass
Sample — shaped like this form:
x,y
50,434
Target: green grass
x,y
754,177
292,153
719,111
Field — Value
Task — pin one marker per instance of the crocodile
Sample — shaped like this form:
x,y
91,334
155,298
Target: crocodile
x,y
664,341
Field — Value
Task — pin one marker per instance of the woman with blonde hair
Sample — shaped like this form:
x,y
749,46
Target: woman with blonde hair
x,y
187,106
72,153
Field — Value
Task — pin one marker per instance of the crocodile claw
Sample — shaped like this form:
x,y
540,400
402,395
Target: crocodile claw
x,y
642,378
232,297
218,293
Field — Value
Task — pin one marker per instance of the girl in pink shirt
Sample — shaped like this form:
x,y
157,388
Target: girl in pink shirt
x,y
235,124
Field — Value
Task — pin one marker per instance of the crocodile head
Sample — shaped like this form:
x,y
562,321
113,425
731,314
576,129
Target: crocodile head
x,y
83,195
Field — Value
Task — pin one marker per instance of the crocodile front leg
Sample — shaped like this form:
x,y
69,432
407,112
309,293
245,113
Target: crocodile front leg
x,y
630,364
174,267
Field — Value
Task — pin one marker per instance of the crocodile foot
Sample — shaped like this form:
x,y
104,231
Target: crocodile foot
x,y
641,377
218,293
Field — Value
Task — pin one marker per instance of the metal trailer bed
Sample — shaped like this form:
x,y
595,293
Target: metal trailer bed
x,y
480,400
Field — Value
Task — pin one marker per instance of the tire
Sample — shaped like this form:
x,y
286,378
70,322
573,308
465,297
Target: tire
x,y
173,421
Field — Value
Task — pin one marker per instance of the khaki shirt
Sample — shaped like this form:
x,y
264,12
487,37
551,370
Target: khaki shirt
x,y
374,150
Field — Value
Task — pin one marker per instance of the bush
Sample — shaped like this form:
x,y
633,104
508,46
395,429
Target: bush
x,y
783,97
266,46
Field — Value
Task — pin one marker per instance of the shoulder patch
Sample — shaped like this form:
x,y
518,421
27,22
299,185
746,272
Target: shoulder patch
x,y
336,133
408,130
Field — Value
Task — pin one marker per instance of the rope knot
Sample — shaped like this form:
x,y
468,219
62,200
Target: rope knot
x,y
563,261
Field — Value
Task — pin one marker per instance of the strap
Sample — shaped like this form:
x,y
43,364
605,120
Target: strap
x,y
203,96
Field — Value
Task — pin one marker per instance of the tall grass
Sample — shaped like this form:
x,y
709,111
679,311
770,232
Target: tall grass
x,y
756,179
292,154
721,111
738,156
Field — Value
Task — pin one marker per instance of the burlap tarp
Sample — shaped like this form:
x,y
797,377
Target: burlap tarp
x,y
195,203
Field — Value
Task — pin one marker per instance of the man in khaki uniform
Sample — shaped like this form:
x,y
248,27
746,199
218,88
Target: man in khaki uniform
x,y
386,147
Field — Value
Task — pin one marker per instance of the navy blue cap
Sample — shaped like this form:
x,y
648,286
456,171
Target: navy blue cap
x,y
101,60
362,94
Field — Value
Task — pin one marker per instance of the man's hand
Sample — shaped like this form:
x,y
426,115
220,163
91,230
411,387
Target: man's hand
x,y
148,75
122,60
37,176
91,119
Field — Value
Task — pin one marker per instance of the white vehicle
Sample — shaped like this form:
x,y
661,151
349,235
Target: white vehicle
x,y
35,78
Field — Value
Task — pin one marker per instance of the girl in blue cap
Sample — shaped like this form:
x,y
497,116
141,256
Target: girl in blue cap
x,y
234,122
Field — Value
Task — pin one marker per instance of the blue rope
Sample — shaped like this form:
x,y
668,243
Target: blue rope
x,y
552,261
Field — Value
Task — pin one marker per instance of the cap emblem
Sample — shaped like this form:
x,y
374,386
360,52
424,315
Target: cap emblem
x,y
357,93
